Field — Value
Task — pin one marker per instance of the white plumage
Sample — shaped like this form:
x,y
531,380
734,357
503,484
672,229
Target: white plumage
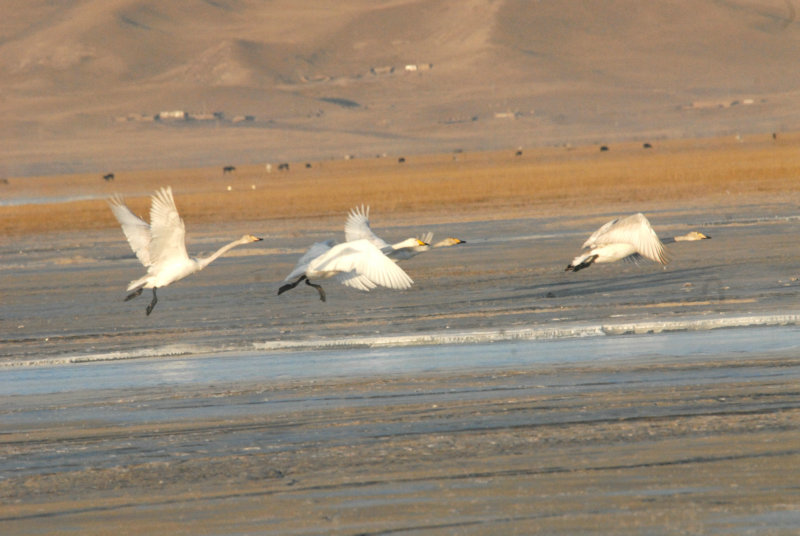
x,y
161,245
622,238
358,264
357,227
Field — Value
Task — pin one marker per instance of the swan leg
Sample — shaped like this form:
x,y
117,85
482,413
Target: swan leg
x,y
318,287
585,264
290,286
132,295
152,303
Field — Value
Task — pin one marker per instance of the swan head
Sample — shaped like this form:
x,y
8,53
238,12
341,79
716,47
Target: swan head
x,y
692,236
246,239
449,241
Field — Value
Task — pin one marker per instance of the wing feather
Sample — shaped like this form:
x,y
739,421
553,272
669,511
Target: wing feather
x,y
168,234
136,230
357,228
364,259
635,230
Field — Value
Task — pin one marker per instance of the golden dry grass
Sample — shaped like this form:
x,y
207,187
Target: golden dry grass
x,y
542,181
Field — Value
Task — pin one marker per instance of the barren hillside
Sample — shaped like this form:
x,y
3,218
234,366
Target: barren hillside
x,y
80,82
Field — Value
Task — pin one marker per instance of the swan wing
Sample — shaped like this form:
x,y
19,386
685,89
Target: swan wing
x,y
135,229
354,280
592,240
314,251
168,242
636,231
364,259
357,228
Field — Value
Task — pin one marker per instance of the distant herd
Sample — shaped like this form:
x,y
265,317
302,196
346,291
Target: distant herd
x,y
284,166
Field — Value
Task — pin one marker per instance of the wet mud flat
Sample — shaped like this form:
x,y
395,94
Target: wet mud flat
x,y
696,441
700,445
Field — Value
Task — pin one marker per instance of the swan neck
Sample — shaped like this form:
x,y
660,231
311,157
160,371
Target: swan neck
x,y
205,261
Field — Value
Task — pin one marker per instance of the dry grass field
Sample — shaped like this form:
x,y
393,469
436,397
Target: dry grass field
x,y
464,186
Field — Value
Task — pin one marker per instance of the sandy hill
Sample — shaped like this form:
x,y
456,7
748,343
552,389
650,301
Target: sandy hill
x,y
298,79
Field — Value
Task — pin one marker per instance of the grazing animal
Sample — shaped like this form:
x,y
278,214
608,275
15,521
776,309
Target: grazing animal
x,y
357,264
604,148
401,160
283,167
357,227
630,237
228,169
518,153
161,245
108,177
647,146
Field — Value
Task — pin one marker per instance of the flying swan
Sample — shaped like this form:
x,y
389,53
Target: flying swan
x,y
161,246
357,227
631,237
358,264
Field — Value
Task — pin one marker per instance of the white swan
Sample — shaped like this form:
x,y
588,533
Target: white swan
x,y
358,264
161,246
688,237
357,227
621,238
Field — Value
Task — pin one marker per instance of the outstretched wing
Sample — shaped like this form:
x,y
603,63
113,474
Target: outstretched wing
x,y
136,230
637,231
357,228
168,242
364,260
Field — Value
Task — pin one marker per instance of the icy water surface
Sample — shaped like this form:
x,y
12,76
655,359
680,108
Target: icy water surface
x,y
498,395
265,367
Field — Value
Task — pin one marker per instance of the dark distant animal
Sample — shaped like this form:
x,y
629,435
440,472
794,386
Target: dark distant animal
x,y
283,167
604,147
228,169
647,146
518,153
401,160
108,177
774,135
3,181
308,165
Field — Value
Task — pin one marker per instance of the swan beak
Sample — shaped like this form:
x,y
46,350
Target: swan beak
x,y
459,241
421,243
705,236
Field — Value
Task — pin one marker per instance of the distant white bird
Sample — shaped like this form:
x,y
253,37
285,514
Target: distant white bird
x,y
358,264
688,237
357,227
161,246
621,238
